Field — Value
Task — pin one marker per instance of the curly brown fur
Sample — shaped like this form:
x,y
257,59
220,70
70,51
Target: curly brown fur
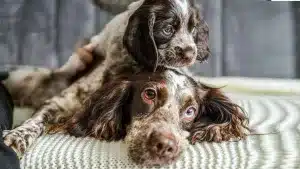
x,y
225,120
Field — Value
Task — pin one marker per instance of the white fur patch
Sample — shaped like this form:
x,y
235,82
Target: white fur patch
x,y
183,5
177,81
178,85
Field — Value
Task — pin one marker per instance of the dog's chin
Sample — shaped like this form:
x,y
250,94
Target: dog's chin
x,y
177,63
169,59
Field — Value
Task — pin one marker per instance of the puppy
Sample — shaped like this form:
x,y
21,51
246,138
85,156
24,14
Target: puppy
x,y
151,33
157,114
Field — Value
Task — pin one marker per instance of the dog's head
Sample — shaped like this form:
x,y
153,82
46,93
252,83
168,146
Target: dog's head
x,y
158,114
167,32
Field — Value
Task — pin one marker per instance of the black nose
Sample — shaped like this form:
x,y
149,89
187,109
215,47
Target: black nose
x,y
185,53
163,144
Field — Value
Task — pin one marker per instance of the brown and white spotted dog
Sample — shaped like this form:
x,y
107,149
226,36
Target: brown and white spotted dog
x,y
157,114
149,33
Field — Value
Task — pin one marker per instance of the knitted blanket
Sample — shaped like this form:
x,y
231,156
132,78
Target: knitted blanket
x,y
275,119
275,143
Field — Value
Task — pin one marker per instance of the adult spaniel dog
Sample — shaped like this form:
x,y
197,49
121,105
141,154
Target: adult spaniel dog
x,y
157,114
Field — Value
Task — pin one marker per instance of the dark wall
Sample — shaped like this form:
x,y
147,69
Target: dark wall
x,y
247,38
296,12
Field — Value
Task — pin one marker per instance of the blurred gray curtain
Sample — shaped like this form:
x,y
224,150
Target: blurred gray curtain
x,y
296,12
247,38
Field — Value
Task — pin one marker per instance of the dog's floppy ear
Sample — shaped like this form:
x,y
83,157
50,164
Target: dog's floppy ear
x,y
201,33
104,114
139,40
219,119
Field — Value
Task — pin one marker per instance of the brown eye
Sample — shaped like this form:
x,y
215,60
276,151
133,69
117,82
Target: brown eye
x,y
149,94
168,30
190,112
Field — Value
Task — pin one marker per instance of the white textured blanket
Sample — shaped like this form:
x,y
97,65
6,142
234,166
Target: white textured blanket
x,y
276,117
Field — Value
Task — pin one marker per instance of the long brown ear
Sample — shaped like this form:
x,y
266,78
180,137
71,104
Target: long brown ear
x,y
201,34
219,119
138,37
104,114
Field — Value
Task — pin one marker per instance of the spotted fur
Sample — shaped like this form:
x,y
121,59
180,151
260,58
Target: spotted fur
x,y
130,42
118,111
32,86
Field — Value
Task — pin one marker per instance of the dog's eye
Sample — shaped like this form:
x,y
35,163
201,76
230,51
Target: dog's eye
x,y
149,94
190,112
168,30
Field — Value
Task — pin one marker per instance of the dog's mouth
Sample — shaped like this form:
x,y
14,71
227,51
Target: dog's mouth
x,y
169,58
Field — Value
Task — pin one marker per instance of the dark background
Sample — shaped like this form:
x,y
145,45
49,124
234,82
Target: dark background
x,y
252,38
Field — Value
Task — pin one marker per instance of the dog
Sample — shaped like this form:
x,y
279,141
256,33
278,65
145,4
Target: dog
x,y
150,33
172,33
168,33
157,114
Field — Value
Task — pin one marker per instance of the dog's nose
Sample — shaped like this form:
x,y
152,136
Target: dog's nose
x,y
163,143
186,53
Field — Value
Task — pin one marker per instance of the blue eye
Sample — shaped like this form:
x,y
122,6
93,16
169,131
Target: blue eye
x,y
190,112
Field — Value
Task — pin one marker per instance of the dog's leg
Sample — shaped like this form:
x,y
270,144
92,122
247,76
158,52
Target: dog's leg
x,y
55,110
62,106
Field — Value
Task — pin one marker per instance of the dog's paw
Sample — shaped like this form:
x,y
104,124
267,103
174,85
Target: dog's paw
x,y
21,138
15,139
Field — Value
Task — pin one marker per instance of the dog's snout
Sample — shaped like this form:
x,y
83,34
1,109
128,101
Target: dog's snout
x,y
163,143
159,144
178,50
186,53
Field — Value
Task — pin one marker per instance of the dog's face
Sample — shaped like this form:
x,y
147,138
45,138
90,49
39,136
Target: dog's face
x,y
158,114
163,109
168,33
